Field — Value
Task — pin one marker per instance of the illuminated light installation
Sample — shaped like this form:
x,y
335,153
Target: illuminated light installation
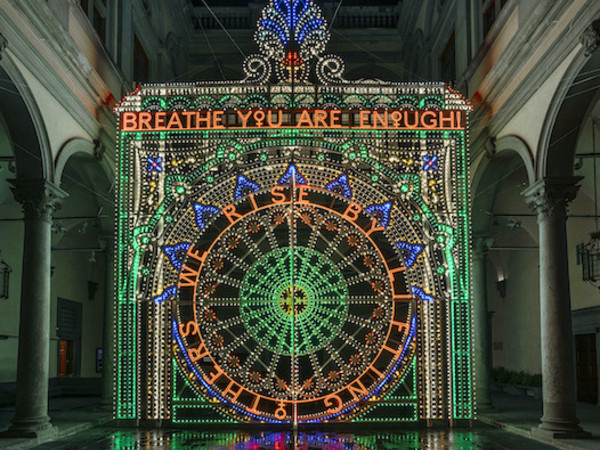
x,y
293,247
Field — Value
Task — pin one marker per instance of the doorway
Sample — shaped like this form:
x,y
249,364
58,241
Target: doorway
x,y
69,338
587,368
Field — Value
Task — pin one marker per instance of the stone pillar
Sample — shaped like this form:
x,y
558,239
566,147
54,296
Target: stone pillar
x,y
549,198
39,199
106,400
481,345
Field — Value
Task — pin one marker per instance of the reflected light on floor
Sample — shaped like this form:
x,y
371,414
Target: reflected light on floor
x,y
241,440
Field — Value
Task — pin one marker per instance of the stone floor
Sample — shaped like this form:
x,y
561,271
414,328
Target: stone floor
x,y
81,424
518,415
480,437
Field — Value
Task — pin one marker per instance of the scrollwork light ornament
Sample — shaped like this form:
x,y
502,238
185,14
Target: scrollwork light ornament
x,y
292,33
330,69
257,69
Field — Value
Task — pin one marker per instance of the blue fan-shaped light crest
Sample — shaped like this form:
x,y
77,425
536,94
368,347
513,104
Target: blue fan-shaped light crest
x,y
311,25
340,184
382,212
421,294
410,252
203,213
292,172
274,27
176,253
291,18
165,295
244,186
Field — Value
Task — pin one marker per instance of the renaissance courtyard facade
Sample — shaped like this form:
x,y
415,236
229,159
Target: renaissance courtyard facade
x,y
309,226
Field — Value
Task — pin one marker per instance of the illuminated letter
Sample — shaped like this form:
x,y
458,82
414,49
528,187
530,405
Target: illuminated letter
x,y
234,393
193,252
244,118
447,119
402,297
415,116
302,194
429,124
374,227
145,118
382,119
175,122
329,403
320,118
277,195
214,376
230,213
377,372
253,201
334,118
252,408
279,119
361,389
205,119
305,120
218,120
185,329
160,119
402,327
197,353
363,121
129,121
280,412
188,118
188,277
352,211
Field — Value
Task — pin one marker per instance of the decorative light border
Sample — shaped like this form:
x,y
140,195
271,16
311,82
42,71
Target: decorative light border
x,y
436,184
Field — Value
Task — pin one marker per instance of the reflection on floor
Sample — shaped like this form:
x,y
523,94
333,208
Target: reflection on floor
x,y
481,436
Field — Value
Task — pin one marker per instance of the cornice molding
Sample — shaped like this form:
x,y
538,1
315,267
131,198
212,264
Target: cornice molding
x,y
77,70
522,49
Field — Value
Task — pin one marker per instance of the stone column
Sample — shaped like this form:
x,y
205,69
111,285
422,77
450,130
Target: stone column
x,y
482,360
106,400
39,199
549,198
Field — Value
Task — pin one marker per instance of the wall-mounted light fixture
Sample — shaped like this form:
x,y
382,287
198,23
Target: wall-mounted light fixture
x,y
501,287
588,254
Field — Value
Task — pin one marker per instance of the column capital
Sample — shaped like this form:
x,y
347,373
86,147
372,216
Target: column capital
x,y
590,38
481,243
39,198
549,197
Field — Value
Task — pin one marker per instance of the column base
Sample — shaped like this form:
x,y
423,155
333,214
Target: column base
x,y
560,430
35,428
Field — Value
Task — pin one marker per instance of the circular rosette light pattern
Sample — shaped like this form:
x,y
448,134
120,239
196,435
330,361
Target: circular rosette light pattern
x,y
294,300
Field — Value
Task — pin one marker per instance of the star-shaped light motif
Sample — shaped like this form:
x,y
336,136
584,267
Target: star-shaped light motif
x,y
430,163
154,164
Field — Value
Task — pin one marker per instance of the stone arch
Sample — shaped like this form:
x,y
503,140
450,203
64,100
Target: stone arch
x,y
70,148
511,152
566,115
24,123
93,173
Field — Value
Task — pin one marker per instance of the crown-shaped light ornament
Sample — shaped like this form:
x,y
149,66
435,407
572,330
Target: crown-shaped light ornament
x,y
290,35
